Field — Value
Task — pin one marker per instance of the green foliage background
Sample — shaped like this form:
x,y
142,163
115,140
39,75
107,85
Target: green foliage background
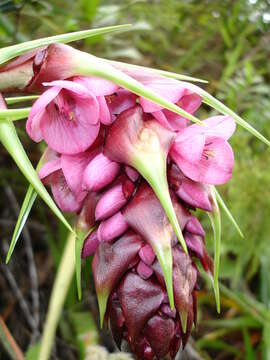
x,y
227,43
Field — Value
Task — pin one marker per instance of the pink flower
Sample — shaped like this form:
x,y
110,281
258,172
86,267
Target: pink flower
x,y
64,173
182,94
66,116
203,153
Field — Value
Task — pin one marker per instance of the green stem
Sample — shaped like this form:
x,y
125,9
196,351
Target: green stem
x,y
61,285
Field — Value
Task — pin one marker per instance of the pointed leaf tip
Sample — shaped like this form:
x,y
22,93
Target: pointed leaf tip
x,y
228,213
10,52
11,141
216,226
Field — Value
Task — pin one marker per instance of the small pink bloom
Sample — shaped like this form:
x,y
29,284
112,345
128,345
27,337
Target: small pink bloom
x,y
66,116
203,153
100,172
111,228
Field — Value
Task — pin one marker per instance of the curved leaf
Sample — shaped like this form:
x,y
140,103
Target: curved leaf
x,y
216,226
228,213
11,141
11,52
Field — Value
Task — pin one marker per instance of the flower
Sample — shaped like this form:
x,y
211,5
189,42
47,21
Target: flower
x,y
203,153
66,116
132,171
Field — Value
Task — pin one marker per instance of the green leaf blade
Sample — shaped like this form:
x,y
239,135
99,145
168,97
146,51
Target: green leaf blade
x,y
11,141
11,52
218,105
27,205
228,213
216,226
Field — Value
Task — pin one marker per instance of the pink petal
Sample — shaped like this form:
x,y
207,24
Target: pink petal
x,y
170,89
216,164
38,112
220,126
71,136
190,102
104,112
100,172
187,148
170,120
73,167
194,194
121,101
98,86
49,168
63,196
112,228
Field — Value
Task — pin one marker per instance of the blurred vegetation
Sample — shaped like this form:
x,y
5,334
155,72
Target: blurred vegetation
x,y
227,43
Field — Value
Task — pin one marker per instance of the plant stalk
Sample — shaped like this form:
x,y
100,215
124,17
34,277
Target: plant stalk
x,y
61,285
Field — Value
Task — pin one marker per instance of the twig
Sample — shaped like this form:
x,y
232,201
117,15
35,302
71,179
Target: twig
x,y
30,224
17,292
31,264
9,342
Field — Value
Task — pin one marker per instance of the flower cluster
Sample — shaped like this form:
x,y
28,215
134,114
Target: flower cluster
x,y
137,172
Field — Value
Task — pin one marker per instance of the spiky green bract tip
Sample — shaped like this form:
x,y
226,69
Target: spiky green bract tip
x,y
11,141
215,219
145,209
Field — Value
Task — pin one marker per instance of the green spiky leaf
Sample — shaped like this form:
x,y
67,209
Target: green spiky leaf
x,y
219,106
11,52
11,141
228,213
216,226
89,65
81,236
28,202
156,71
27,205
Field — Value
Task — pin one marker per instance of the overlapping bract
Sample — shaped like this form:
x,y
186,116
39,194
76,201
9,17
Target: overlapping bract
x,y
136,171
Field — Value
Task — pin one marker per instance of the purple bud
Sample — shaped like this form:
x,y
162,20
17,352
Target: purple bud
x,y
90,245
100,172
194,227
144,270
114,199
111,228
132,173
147,255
